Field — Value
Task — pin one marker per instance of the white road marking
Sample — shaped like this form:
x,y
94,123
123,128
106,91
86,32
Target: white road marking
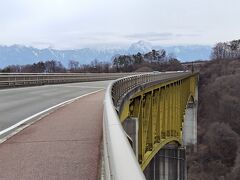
x,y
40,115
89,87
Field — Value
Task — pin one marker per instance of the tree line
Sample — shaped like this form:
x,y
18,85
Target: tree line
x,y
226,50
151,61
51,66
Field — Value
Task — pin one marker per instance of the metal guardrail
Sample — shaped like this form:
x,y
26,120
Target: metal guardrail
x,y
29,79
120,161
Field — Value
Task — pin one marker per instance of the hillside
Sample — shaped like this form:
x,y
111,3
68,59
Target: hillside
x,y
218,155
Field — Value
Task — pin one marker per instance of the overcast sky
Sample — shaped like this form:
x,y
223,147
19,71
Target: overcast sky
x,y
66,24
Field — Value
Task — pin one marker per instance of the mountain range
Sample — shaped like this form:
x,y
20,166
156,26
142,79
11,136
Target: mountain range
x,y
19,54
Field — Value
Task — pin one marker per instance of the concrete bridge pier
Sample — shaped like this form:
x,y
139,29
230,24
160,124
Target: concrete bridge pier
x,y
190,127
168,164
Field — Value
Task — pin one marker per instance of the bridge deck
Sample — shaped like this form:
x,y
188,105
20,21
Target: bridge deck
x,y
63,145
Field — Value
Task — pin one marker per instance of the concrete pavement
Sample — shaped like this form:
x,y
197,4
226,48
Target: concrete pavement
x,y
64,145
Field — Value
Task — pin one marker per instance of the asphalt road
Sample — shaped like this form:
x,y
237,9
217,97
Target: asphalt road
x,y
20,103
64,145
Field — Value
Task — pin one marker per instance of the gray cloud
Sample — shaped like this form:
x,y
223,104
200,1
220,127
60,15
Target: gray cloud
x,y
188,35
154,36
81,23
149,35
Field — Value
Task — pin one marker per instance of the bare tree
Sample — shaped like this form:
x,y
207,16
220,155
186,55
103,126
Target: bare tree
x,y
226,50
73,65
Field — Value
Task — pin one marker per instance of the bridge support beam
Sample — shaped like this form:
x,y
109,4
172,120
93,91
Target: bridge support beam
x,y
168,164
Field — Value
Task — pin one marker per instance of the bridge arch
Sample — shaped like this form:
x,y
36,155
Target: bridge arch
x,y
151,110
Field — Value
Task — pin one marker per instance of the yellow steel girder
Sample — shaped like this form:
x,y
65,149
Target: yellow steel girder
x,y
160,112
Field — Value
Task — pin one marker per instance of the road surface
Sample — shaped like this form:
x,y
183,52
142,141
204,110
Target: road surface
x,y
63,145
20,103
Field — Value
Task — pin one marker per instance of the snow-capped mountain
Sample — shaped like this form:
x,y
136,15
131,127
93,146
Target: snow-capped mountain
x,y
140,46
27,55
189,52
18,54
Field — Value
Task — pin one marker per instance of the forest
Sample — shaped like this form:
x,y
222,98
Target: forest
x,y
218,149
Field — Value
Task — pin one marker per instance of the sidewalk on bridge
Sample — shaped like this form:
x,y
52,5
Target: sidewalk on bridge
x,y
64,145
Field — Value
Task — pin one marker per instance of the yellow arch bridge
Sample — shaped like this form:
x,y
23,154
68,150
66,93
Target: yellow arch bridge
x,y
157,114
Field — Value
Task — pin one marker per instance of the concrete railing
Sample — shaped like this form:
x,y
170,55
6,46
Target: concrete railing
x,y
120,161
28,79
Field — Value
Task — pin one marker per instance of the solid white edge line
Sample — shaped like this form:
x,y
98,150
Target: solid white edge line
x,y
45,111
